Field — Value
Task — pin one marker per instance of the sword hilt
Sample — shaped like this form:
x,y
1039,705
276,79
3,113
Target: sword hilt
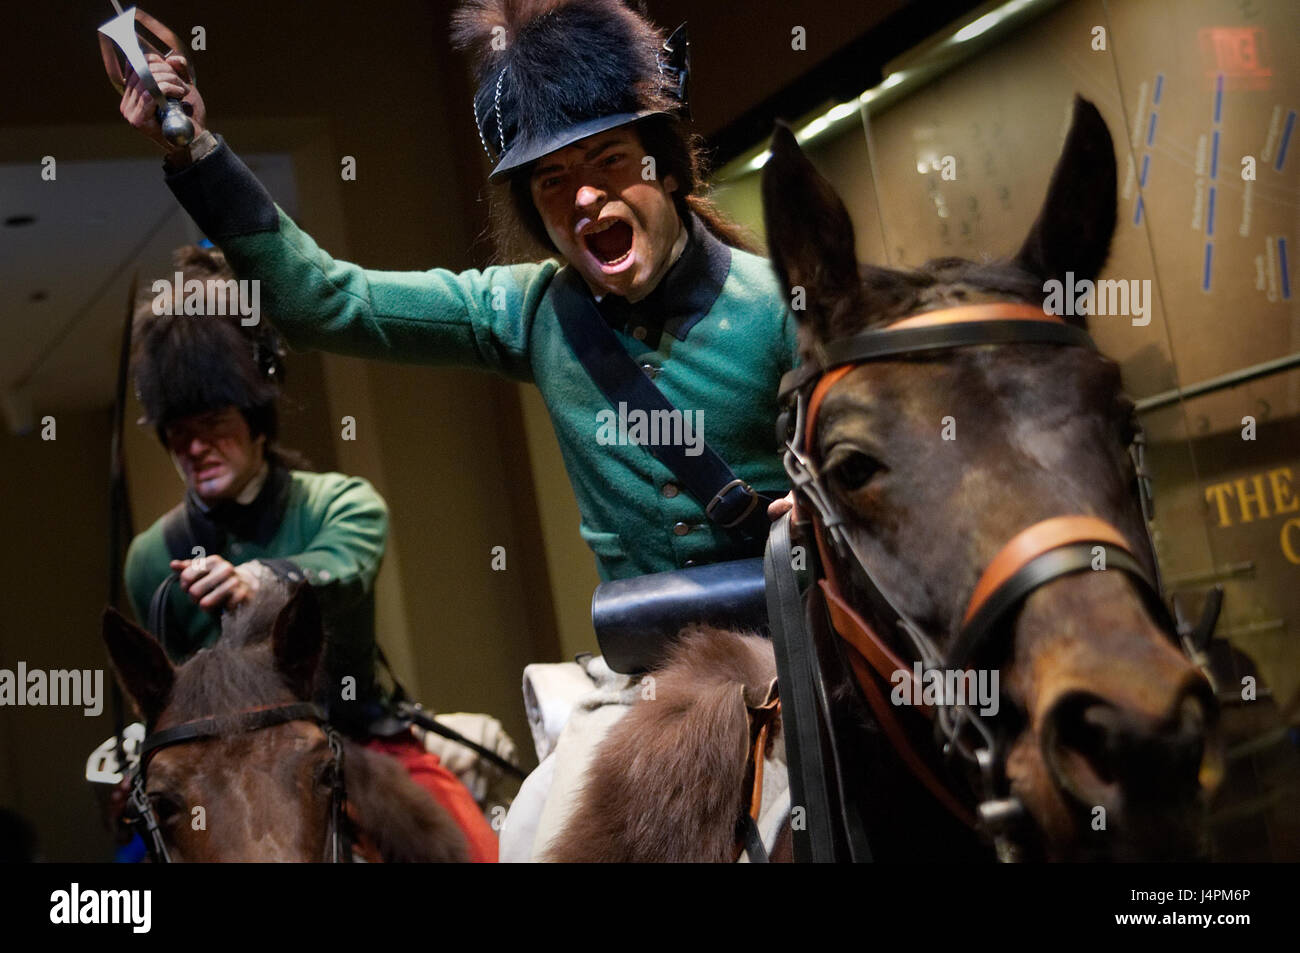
x,y
122,35
177,127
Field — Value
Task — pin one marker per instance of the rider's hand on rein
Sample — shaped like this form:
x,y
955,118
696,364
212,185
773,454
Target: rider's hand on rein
x,y
215,583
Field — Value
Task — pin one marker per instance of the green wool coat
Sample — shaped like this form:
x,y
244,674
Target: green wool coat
x,y
716,337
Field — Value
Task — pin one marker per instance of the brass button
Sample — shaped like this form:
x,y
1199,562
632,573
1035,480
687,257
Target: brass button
x,y
650,370
670,490
680,528
638,333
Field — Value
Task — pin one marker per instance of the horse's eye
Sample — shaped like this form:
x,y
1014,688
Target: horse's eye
x,y
327,774
853,469
165,806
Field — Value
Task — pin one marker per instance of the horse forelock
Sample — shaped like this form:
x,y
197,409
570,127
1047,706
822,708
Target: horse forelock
x,y
225,680
238,672
253,620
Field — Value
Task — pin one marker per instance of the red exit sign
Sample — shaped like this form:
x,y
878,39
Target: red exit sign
x,y
1239,54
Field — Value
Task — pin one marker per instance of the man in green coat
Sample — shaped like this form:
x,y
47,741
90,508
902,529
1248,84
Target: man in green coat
x,y
210,385
580,109
210,388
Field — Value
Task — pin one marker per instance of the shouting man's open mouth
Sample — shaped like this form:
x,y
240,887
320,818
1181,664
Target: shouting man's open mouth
x,y
610,242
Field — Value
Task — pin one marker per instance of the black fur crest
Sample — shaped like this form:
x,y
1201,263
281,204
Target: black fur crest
x,y
192,364
543,66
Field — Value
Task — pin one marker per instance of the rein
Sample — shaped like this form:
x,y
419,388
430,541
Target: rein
x,y
1041,553
254,719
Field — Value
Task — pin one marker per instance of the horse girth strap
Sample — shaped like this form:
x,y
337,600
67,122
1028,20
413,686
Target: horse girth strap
x,y
760,726
761,718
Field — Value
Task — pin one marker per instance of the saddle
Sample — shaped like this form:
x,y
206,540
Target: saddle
x,y
636,619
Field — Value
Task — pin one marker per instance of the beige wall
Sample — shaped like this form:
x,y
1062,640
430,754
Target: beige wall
x,y
54,523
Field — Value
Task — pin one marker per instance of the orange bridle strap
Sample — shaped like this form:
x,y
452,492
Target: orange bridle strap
x,y
1029,544
961,314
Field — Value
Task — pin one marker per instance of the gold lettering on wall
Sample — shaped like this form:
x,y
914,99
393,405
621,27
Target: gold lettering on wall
x,y
1263,495
1291,543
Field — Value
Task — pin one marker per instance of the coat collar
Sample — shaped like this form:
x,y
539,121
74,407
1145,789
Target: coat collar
x,y
683,296
257,522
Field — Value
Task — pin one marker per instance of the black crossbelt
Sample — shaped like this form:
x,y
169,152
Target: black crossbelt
x,y
728,501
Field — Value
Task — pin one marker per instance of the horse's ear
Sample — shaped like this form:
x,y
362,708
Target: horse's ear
x,y
141,664
297,638
810,236
1075,224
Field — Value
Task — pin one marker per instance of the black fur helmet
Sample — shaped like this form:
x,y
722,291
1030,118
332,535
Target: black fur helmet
x,y
192,364
551,72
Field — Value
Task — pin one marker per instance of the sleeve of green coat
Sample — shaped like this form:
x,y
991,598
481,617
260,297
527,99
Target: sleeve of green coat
x,y
342,559
474,318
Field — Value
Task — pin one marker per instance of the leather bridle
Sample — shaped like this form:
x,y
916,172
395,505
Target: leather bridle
x,y
1035,556
203,729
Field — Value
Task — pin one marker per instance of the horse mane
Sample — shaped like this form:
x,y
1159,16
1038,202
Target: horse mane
x,y
666,783
402,819
253,620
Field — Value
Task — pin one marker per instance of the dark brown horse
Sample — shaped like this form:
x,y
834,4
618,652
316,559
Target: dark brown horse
x,y
265,795
1100,717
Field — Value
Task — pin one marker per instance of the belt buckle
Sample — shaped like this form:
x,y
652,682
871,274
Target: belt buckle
x,y
717,498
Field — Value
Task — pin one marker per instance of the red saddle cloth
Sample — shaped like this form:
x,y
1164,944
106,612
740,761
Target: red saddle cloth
x,y
427,771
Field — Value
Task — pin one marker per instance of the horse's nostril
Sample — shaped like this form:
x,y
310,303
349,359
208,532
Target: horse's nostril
x,y
1098,751
1081,739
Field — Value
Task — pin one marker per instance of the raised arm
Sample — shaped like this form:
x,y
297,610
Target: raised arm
x,y
473,318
